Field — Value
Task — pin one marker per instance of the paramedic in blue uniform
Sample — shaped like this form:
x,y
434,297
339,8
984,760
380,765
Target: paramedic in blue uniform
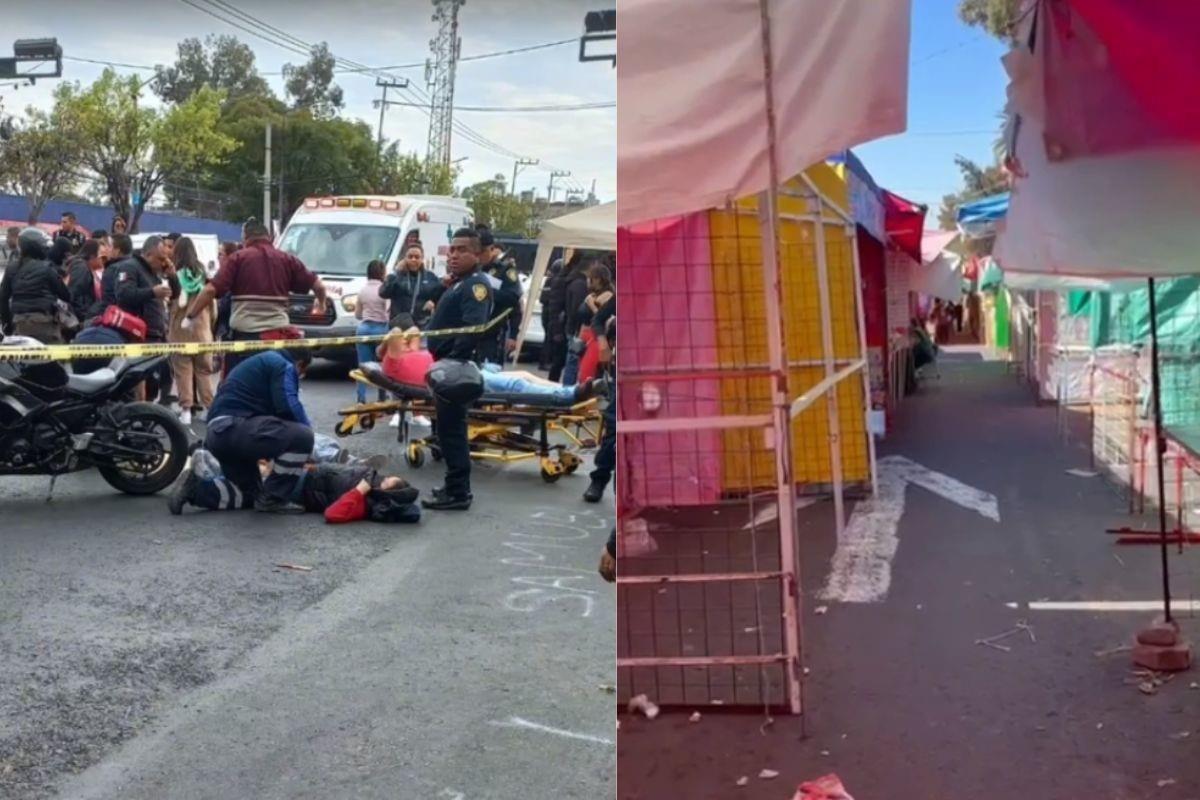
x,y
466,302
501,340
256,415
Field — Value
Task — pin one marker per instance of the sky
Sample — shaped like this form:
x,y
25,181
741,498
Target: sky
x,y
956,89
377,34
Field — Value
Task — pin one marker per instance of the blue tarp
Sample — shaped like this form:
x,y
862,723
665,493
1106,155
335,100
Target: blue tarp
x,y
14,207
978,218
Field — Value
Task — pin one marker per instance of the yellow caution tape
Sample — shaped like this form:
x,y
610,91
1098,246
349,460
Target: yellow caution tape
x,y
69,352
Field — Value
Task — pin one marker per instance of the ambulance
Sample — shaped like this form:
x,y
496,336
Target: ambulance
x,y
336,237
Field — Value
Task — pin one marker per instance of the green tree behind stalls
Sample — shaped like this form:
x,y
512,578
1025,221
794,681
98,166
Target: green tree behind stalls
x,y
311,85
133,150
220,62
492,205
38,159
978,182
997,17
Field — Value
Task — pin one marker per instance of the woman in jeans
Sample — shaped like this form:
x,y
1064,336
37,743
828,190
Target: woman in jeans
x,y
193,374
372,311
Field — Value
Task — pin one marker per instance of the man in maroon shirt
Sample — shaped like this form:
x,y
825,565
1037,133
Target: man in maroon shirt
x,y
260,280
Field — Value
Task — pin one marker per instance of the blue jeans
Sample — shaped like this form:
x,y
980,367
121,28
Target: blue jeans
x,y
505,383
570,373
366,352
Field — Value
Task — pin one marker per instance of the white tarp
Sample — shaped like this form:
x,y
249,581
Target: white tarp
x,y
592,228
939,278
692,132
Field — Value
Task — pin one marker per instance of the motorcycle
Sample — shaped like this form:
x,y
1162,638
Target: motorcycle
x,y
54,422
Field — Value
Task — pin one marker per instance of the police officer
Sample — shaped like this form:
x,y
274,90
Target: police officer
x,y
467,302
503,338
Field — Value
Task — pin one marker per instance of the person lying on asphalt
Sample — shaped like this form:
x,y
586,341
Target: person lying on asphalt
x,y
256,414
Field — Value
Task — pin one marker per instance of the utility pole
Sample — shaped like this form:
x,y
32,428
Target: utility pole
x,y
439,76
558,173
267,182
520,162
382,105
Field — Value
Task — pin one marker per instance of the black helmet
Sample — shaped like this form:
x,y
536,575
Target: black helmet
x,y
33,242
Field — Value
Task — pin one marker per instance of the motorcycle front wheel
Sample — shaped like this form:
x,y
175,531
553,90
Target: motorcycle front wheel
x,y
162,445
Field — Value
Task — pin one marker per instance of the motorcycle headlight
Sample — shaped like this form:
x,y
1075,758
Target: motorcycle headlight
x,y
350,302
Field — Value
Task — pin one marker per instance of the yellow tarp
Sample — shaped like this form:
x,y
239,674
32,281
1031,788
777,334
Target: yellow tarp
x,y
742,336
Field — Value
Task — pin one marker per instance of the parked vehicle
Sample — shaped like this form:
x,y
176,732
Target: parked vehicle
x,y
53,422
336,237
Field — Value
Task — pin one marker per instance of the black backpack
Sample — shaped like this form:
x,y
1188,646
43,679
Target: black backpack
x,y
456,382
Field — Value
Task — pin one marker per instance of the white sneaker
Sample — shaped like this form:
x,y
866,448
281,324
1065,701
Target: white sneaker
x,y
423,422
202,415
395,423
185,417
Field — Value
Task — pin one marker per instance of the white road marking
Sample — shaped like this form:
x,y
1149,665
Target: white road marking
x,y
1106,605
862,565
517,722
771,512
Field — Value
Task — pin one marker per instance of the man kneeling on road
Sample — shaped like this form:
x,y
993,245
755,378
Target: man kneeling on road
x,y
256,415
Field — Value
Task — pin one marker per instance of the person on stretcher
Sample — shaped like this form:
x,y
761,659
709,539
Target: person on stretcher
x,y
404,359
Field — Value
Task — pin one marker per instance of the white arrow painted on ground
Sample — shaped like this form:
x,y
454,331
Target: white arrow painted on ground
x,y
862,564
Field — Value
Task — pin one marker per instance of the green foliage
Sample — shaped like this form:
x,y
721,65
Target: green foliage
x,y
38,159
132,149
492,205
997,17
221,62
408,173
311,85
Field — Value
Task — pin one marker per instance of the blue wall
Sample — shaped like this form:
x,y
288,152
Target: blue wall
x,y
91,217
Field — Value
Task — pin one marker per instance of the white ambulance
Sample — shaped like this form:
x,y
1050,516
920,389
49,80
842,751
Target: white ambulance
x,y
336,237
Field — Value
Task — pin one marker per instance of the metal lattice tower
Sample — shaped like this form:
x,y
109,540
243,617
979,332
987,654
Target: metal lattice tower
x,y
439,76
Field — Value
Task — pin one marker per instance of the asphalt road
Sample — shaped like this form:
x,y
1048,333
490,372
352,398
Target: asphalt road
x,y
901,702
149,656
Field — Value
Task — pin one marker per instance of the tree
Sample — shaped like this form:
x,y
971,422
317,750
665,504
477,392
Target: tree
x,y
38,159
221,62
492,205
134,150
978,182
311,85
410,174
997,17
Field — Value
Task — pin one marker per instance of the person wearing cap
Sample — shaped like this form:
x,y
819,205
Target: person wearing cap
x,y
69,230
467,302
256,415
260,279
30,291
10,252
498,342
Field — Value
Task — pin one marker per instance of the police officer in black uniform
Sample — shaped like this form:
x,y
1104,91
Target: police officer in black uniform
x,y
503,338
468,301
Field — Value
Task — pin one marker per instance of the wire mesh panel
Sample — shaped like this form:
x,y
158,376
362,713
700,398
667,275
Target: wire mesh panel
x,y
718,345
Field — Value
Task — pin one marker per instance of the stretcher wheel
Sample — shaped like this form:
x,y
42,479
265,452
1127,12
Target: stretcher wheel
x,y
414,456
367,422
550,477
552,470
346,426
436,452
570,462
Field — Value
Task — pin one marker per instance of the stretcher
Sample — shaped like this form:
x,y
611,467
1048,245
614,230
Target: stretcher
x,y
500,427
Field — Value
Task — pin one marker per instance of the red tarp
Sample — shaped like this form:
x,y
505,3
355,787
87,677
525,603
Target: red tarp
x,y
905,223
1119,75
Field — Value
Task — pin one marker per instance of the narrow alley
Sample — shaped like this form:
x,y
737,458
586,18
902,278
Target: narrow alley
x,y
901,698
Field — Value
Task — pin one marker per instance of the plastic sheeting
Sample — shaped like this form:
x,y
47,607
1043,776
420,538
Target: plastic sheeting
x,y
692,132
978,219
905,223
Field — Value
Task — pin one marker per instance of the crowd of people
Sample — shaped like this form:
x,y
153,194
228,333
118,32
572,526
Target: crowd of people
x,y
97,289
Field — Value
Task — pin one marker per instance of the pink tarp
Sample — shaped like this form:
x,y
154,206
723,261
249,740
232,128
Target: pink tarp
x,y
692,131
667,325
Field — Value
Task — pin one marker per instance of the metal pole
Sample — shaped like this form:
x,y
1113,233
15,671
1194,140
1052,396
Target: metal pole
x,y
382,111
831,406
513,191
852,233
791,596
1160,448
267,182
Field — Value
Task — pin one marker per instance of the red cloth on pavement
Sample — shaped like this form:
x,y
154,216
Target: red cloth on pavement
x,y
350,507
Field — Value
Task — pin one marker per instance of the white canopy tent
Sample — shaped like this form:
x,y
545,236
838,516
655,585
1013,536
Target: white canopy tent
x,y
592,228
691,132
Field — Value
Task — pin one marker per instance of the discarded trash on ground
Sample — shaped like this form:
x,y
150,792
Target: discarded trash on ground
x,y
742,781
994,641
695,717
1112,651
295,567
821,609
1082,473
768,774
643,704
1166,782
608,688
827,787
